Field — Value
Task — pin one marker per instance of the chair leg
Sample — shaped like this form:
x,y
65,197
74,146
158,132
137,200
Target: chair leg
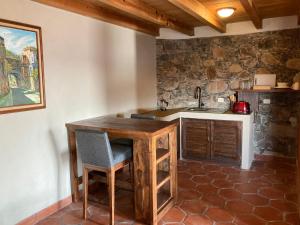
x,y
111,194
85,191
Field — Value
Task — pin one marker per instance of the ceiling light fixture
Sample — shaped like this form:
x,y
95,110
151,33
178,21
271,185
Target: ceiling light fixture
x,y
225,12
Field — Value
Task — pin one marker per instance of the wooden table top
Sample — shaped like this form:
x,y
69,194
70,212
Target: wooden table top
x,y
123,125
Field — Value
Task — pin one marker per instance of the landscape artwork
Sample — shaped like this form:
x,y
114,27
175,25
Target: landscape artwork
x,y
21,67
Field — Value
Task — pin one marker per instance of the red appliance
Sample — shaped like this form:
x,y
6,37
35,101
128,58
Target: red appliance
x,y
241,107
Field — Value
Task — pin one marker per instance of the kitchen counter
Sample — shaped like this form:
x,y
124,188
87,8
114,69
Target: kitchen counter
x,y
161,114
247,154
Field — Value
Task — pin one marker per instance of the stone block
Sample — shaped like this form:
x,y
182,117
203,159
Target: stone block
x,y
293,64
269,59
282,130
218,53
235,68
217,86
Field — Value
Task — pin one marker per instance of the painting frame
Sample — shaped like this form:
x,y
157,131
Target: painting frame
x,y
8,24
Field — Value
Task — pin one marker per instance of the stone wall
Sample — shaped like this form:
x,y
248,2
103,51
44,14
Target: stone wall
x,y
218,65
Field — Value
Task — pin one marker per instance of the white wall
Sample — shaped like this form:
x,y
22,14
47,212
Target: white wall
x,y
91,69
245,27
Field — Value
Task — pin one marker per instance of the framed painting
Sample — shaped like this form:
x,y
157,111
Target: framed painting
x,y
21,67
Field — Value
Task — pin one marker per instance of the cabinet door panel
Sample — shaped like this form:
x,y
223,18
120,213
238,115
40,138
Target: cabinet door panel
x,y
226,140
195,138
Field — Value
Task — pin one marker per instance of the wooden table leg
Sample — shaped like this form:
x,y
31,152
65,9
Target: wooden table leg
x,y
173,162
73,166
142,186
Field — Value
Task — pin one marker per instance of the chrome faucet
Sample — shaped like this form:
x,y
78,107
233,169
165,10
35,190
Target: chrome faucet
x,y
197,95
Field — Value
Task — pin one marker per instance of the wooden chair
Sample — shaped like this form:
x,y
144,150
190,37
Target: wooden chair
x,y
98,154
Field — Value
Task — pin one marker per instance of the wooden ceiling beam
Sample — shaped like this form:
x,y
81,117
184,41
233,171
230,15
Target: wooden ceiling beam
x,y
299,14
250,9
88,9
141,10
200,12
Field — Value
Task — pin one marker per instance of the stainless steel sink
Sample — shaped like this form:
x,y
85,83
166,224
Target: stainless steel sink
x,y
206,110
198,109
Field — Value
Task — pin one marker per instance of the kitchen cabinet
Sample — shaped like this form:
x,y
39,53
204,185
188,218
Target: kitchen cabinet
x,y
195,138
211,139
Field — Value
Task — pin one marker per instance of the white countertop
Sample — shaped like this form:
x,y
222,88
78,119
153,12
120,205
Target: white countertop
x,y
208,116
247,129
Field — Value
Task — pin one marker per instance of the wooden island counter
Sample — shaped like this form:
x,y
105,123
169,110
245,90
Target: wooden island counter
x,y
154,159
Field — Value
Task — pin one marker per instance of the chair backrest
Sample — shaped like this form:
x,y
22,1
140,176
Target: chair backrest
x,y
94,148
143,116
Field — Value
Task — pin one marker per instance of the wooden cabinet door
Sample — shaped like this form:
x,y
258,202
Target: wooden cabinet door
x,y
195,138
226,140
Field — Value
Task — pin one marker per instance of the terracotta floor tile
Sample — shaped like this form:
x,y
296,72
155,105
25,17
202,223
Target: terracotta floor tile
x,y
237,178
197,220
51,221
77,205
188,194
174,215
230,170
278,223
251,174
124,197
162,223
72,217
224,223
196,169
211,167
286,188
217,175
99,210
186,183
239,206
221,183
184,176
219,215
271,193
265,195
249,220
214,200
268,213
264,170
292,218
247,188
201,179
283,205
255,199
124,214
261,182
182,166
230,194
206,188
194,163
97,220
61,212
194,206
292,197
273,178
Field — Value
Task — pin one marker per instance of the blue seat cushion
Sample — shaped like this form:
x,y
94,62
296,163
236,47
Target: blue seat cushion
x,y
122,141
121,152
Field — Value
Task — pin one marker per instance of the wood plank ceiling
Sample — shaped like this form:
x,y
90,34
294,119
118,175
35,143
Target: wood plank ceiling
x,y
148,16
